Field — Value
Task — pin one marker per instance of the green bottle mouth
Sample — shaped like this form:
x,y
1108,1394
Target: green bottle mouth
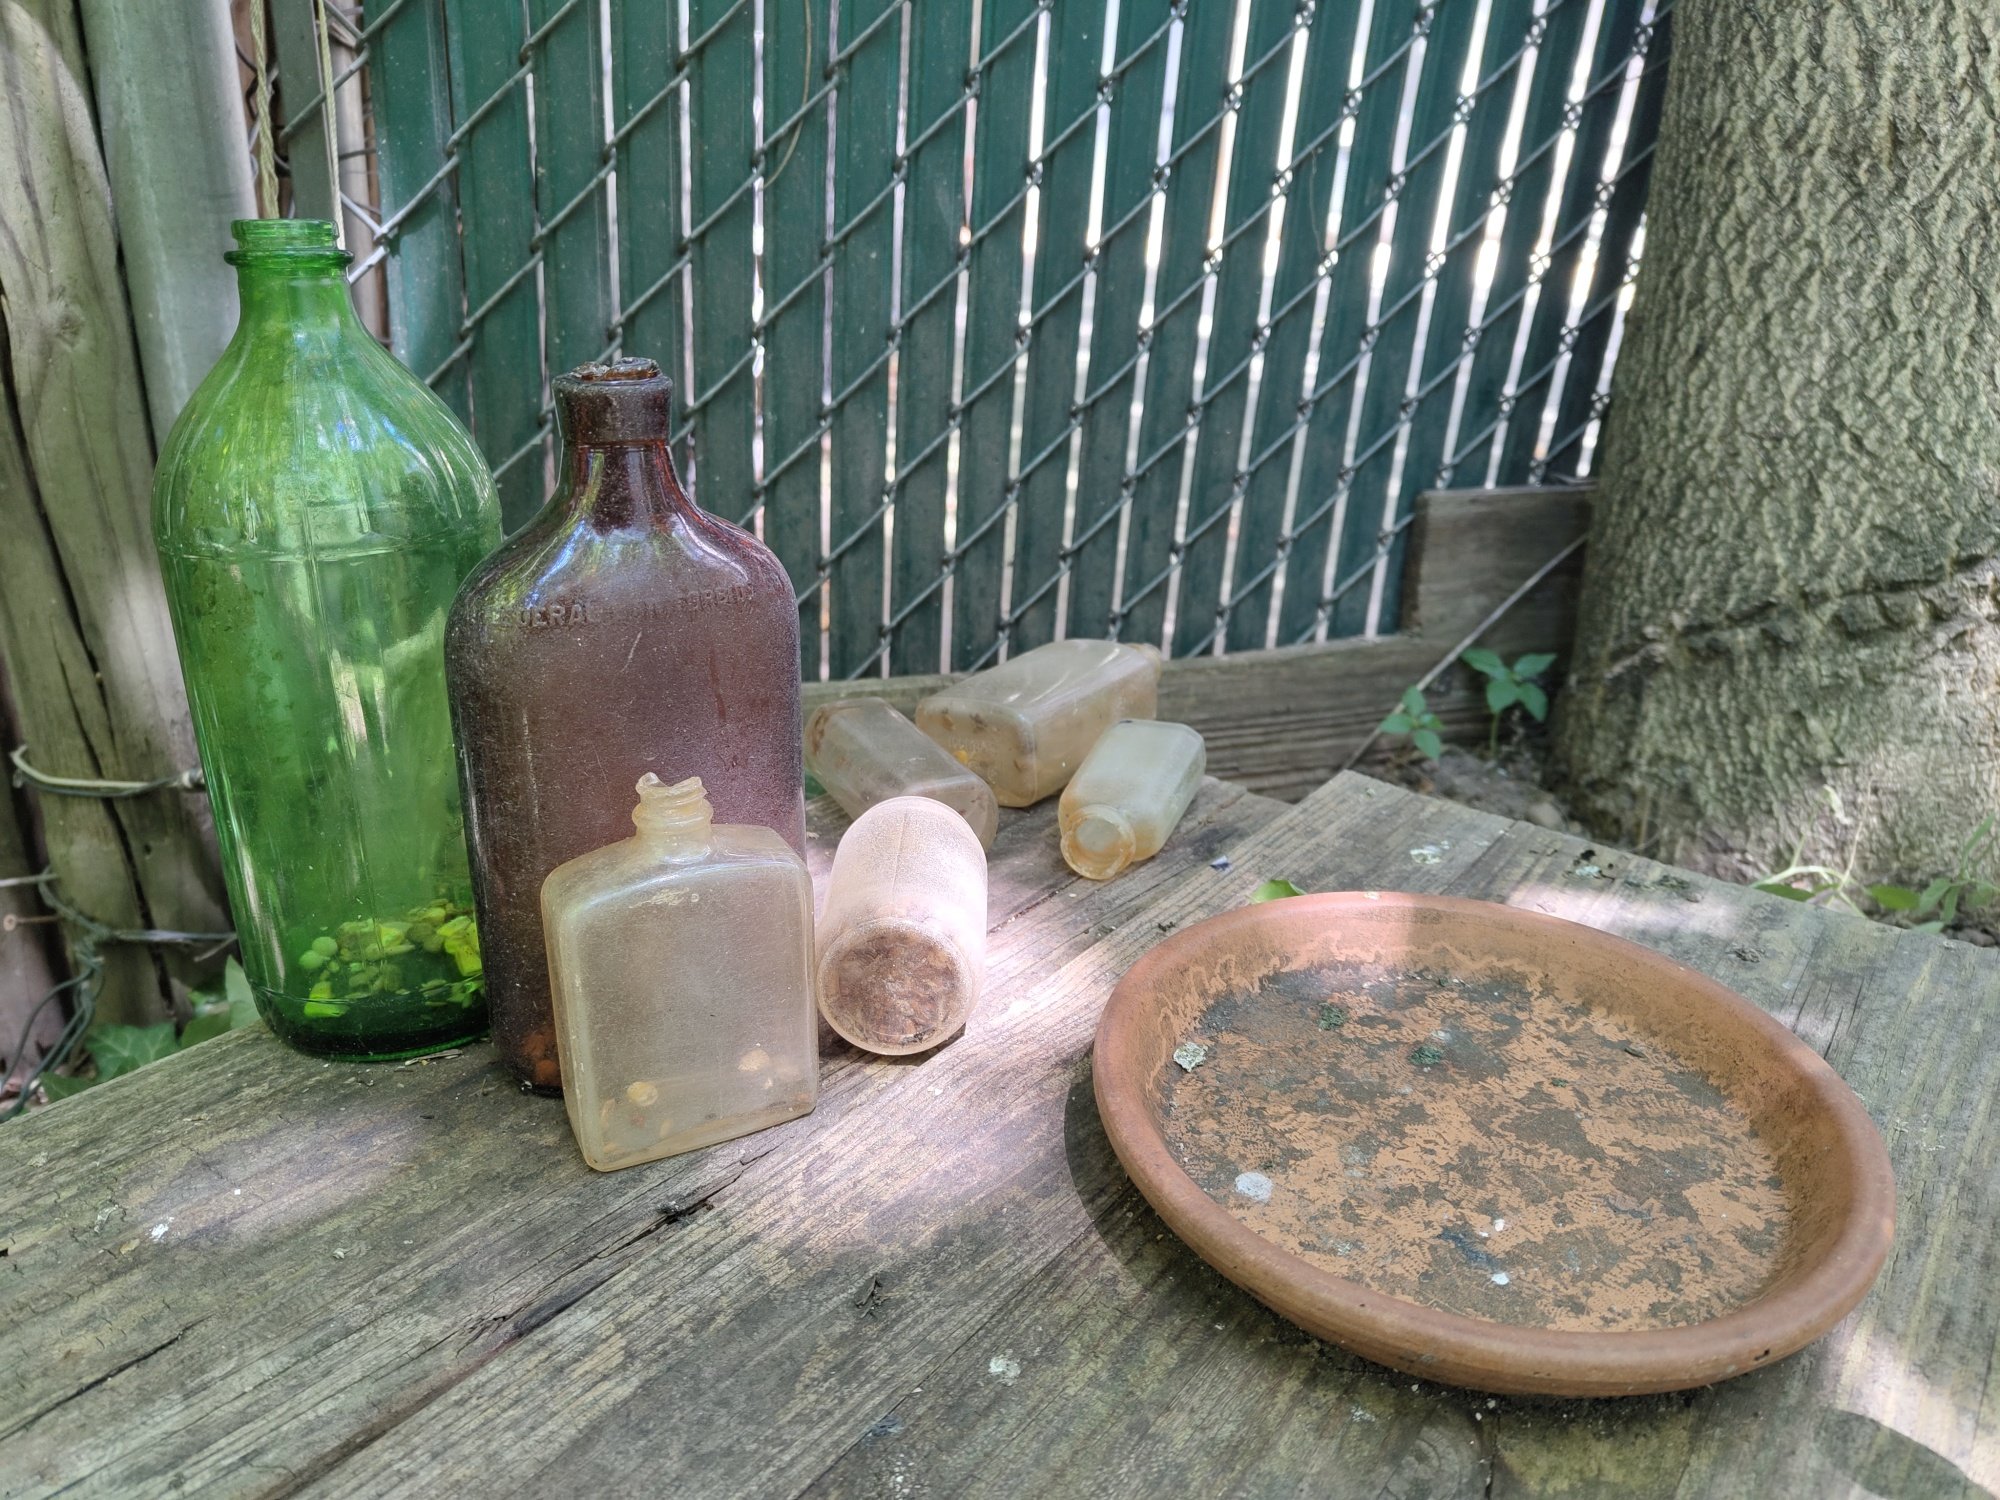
x,y
285,242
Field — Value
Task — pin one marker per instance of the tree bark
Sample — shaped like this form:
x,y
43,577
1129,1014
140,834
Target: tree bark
x,y
1793,562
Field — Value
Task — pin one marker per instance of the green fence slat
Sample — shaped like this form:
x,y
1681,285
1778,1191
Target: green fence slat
x,y
1301,243
1177,295
1057,311
409,87
933,216
1577,205
721,133
993,308
1322,477
497,198
863,293
1371,509
1622,216
646,124
575,208
1527,197
1132,151
1457,280
1233,331
795,53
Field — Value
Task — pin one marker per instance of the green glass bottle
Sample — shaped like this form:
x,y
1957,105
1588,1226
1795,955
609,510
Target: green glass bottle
x,y
316,508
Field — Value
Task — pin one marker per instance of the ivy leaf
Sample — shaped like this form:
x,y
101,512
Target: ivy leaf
x,y
56,1086
1502,694
1275,890
1397,723
1428,744
1535,701
207,1025
1482,660
1933,893
242,1002
1789,892
1413,701
1534,663
120,1049
1893,897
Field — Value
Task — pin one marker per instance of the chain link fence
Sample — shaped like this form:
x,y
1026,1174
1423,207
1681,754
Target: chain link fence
x,y
1018,319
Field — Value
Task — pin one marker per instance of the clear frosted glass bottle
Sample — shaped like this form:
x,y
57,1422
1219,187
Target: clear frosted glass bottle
x,y
864,752
902,938
316,508
1128,794
623,628
1025,726
680,967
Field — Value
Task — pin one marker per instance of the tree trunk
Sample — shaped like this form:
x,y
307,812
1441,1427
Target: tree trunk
x,y
1792,573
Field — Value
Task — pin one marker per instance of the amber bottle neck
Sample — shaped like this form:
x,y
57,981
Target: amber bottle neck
x,y
617,485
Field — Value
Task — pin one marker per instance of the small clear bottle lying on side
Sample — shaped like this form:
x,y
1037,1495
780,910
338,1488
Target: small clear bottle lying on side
x,y
1026,725
1128,794
680,967
902,941
864,752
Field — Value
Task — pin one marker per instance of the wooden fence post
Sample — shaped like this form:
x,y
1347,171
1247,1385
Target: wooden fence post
x,y
84,632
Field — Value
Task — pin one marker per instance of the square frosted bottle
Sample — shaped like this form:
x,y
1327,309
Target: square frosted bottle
x,y
680,966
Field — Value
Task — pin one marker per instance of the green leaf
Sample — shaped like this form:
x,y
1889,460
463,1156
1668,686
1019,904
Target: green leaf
x,y
120,1049
1275,890
1502,694
1789,892
1933,893
1932,926
1534,663
242,1002
1535,701
1428,744
1482,660
1949,914
58,1087
1893,897
1413,701
207,1025
1397,723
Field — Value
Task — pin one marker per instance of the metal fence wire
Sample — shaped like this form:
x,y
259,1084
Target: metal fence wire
x,y
1003,320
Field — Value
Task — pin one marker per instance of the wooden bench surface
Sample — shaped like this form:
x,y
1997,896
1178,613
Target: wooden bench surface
x,y
247,1272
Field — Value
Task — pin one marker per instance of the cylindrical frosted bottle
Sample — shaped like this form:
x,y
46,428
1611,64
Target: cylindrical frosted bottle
x,y
316,508
621,630
864,752
680,966
1025,726
1128,794
902,940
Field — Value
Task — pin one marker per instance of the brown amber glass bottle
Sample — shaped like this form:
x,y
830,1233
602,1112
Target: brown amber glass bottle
x,y
622,630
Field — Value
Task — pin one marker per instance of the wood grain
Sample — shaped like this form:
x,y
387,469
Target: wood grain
x,y
940,1283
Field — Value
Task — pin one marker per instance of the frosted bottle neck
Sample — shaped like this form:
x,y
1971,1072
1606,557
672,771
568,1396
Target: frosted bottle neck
x,y
674,821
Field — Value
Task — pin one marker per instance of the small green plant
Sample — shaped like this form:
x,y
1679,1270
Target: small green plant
x,y
120,1049
1415,719
1511,687
1937,905
1275,890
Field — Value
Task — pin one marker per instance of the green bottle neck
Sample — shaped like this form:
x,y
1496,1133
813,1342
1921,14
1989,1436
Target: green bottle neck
x,y
291,279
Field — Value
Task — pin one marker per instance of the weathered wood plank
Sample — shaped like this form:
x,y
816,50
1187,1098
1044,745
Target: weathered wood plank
x,y
83,620
828,1312
236,1351
1280,722
1136,1360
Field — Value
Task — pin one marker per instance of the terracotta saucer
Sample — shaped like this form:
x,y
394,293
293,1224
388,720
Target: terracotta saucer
x,y
1491,1147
